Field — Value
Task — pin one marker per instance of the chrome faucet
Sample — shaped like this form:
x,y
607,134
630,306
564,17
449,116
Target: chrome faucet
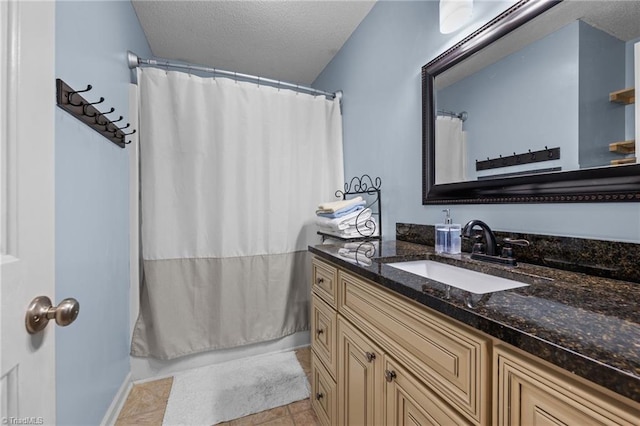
x,y
490,246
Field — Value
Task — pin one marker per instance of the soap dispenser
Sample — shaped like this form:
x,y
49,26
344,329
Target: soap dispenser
x,y
448,239
454,237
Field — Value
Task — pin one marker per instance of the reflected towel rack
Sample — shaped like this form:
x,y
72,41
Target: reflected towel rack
x,y
71,101
545,154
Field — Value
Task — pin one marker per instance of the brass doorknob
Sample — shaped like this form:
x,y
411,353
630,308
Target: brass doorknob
x,y
40,311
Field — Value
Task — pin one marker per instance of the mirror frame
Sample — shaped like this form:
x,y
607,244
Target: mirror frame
x,y
603,184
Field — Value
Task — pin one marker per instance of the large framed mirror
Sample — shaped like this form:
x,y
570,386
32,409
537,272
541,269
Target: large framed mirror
x,y
536,106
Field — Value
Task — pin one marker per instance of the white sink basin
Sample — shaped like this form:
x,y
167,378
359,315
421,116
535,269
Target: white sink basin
x,y
464,279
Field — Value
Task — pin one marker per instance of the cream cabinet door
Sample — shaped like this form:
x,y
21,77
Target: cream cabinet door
x,y
530,393
408,402
359,378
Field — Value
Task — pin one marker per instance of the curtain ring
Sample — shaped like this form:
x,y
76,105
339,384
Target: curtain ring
x,y
258,82
166,64
278,85
214,74
297,89
235,76
189,69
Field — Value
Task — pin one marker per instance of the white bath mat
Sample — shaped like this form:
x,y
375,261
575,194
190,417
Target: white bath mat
x,y
222,392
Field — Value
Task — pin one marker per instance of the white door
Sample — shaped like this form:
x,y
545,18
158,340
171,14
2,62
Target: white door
x,y
27,364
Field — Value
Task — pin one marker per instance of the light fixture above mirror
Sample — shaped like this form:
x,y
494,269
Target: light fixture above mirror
x,y
454,14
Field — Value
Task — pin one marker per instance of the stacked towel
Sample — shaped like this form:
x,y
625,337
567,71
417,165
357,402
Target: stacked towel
x,y
358,253
346,219
336,206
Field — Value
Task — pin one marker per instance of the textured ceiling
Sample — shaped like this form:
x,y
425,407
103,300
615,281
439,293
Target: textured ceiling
x,y
284,40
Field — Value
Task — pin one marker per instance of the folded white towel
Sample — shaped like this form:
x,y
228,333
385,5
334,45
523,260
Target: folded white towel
x,y
344,222
333,206
358,231
351,232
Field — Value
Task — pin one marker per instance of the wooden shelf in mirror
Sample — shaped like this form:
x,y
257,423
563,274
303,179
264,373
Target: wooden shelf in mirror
x,y
623,147
631,160
625,96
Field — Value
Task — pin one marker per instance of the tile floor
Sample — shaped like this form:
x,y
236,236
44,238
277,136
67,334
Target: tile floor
x,y
146,403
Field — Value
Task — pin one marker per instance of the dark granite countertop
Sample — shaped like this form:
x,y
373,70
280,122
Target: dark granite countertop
x,y
584,324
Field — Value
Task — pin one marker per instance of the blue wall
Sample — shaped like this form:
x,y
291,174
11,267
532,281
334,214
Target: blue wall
x,y
540,80
602,71
92,209
379,70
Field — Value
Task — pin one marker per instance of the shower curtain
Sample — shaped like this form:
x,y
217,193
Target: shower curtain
x,y
451,152
231,174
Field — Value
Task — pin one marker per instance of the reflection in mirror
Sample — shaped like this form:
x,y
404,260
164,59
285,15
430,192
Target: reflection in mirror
x,y
551,93
538,105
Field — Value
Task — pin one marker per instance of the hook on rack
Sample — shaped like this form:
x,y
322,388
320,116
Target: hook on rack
x,y
103,115
127,134
70,95
88,104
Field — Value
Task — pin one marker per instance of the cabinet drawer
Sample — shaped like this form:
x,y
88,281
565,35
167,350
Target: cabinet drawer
x,y
451,360
323,333
323,393
409,402
325,281
528,392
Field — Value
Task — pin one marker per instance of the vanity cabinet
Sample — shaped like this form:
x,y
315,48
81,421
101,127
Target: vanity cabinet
x,y
530,392
379,358
434,370
450,359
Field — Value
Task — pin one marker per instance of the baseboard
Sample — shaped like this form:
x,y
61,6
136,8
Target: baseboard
x,y
118,402
145,369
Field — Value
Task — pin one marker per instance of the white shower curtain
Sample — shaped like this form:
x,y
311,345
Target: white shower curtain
x,y
231,174
451,152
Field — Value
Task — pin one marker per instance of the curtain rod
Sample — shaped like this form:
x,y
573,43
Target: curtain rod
x,y
462,115
134,61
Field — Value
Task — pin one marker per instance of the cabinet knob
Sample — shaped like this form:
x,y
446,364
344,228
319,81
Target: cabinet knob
x,y
389,375
319,331
319,281
319,396
370,356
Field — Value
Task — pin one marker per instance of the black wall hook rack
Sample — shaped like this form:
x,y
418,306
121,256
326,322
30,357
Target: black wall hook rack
x,y
71,101
545,154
